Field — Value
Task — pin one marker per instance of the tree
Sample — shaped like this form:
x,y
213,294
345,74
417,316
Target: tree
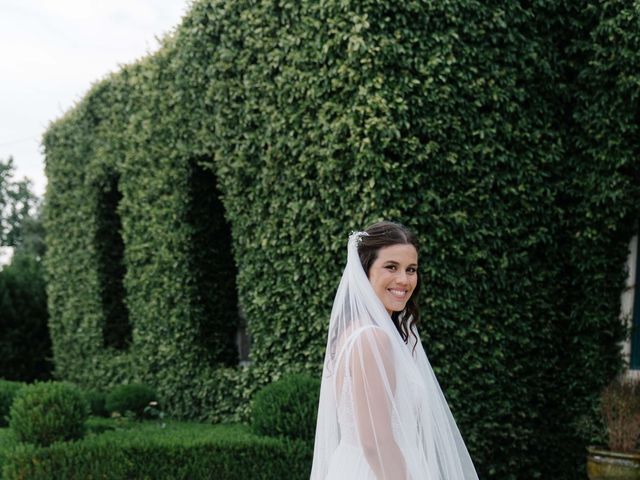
x,y
18,204
25,345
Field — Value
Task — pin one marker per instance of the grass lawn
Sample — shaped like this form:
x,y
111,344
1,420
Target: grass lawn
x,y
123,428
186,432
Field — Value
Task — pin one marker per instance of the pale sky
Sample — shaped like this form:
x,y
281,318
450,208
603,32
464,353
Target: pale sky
x,y
52,51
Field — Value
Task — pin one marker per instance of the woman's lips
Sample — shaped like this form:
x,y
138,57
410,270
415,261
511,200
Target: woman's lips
x,y
397,293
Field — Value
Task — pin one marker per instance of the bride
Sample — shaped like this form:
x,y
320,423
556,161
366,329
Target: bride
x,y
382,414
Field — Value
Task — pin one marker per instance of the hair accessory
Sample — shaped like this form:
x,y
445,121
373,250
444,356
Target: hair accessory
x,y
357,236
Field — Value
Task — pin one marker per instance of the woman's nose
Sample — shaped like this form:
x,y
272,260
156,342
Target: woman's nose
x,y
402,277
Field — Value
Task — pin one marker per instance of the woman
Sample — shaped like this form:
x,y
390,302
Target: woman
x,y
382,415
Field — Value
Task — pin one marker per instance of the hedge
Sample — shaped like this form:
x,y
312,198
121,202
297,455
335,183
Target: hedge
x,y
7,443
287,408
261,133
43,413
179,451
8,391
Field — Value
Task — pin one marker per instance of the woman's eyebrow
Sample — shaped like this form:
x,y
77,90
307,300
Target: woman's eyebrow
x,y
396,263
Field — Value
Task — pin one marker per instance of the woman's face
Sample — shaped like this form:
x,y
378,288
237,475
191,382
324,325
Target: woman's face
x,y
394,275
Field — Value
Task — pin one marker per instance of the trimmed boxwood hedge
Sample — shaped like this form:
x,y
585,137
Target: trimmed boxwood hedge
x,y
8,391
7,443
179,451
46,412
287,408
504,134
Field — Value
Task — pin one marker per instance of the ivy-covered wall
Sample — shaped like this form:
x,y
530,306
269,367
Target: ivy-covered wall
x,y
247,148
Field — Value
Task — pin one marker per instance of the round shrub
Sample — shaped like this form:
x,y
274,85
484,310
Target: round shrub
x,y
287,408
130,398
97,402
46,412
8,391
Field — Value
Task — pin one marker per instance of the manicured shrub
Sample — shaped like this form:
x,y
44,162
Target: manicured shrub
x,y
130,398
8,391
97,402
46,412
181,451
7,443
287,407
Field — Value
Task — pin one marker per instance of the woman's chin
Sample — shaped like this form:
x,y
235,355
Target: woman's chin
x,y
396,307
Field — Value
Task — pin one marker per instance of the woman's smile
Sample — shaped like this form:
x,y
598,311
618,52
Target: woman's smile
x,y
398,293
394,275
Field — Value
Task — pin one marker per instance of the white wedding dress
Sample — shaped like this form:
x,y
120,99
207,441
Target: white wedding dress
x,y
348,460
381,413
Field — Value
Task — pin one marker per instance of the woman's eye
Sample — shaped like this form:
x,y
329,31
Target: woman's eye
x,y
391,267
412,270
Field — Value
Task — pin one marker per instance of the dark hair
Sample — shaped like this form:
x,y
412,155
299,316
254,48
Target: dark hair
x,y
385,234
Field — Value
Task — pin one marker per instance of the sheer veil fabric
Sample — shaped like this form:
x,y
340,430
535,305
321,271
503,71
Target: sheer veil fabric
x,y
381,414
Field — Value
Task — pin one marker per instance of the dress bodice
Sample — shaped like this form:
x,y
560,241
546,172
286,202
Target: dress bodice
x,y
346,418
344,397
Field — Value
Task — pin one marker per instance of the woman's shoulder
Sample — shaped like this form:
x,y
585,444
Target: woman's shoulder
x,y
372,334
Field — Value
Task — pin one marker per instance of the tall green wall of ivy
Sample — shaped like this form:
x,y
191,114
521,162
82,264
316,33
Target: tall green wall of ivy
x,y
261,133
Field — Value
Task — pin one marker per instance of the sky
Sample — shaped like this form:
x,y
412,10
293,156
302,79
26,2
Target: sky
x,y
52,51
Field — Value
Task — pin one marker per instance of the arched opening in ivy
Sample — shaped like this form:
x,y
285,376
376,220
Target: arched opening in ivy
x,y
116,332
213,270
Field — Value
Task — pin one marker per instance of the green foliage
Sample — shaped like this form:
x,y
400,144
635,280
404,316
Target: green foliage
x,y
47,412
32,236
130,398
7,443
505,135
8,391
18,204
97,401
25,344
287,408
179,451
98,425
